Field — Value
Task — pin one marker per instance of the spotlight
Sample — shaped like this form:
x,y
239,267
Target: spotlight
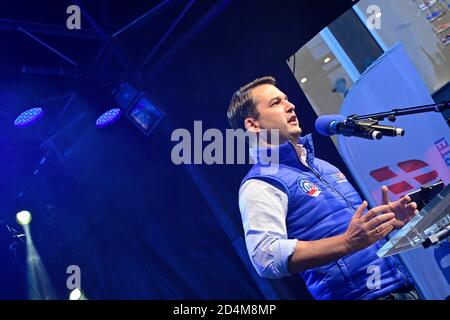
x,y
145,115
327,59
75,294
304,80
28,117
23,217
108,118
138,108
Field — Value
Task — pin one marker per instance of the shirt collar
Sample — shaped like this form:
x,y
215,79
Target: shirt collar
x,y
287,152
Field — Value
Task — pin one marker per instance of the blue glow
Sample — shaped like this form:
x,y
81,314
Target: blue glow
x,y
28,117
109,117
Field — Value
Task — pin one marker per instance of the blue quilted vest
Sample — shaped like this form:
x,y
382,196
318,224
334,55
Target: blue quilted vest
x,y
321,203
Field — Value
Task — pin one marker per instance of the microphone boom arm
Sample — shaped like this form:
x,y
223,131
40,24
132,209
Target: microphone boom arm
x,y
391,115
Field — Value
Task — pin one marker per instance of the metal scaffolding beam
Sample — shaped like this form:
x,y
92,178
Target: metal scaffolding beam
x,y
63,56
166,35
41,28
145,15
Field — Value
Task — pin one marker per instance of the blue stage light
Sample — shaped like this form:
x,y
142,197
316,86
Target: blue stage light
x,y
109,117
145,114
28,117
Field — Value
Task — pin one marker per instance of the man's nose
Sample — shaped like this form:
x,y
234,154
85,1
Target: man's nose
x,y
289,107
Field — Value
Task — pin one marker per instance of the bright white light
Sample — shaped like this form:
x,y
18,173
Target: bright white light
x,y
304,80
23,217
75,294
378,15
327,59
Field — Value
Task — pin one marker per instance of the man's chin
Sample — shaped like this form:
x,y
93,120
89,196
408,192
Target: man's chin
x,y
295,134
296,131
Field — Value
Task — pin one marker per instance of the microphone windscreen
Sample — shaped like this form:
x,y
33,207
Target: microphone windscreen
x,y
323,123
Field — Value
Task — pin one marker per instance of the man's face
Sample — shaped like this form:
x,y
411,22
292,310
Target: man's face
x,y
275,112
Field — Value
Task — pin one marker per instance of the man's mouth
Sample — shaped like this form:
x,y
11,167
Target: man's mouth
x,y
293,120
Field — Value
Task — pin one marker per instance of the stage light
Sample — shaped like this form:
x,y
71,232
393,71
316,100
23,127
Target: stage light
x,y
75,294
304,80
23,217
138,108
108,118
145,115
28,117
327,59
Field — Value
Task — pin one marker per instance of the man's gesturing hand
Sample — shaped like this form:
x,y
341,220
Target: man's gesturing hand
x,y
367,229
403,208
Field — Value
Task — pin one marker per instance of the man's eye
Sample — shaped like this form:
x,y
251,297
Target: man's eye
x,y
276,102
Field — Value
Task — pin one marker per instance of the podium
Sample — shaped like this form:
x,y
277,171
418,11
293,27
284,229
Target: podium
x,y
430,226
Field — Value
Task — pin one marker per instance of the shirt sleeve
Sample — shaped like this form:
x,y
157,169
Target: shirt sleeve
x,y
263,210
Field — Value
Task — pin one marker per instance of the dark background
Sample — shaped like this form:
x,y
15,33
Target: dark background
x,y
110,200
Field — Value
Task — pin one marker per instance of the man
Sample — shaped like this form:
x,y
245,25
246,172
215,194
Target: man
x,y
305,217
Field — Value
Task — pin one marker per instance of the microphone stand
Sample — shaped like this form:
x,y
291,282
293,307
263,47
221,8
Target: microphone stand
x,y
436,238
393,114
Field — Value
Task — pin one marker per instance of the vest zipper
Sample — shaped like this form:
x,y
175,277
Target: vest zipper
x,y
337,192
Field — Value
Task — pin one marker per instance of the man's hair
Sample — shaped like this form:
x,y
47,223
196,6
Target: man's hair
x,y
243,104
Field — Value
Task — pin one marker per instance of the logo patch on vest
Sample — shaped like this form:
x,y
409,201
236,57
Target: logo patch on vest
x,y
311,189
339,177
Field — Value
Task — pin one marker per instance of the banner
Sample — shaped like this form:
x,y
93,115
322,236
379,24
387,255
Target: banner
x,y
403,164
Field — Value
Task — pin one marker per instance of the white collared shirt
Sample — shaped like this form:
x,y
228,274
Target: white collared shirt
x,y
263,210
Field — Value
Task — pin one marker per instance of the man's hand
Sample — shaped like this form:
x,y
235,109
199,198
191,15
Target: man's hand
x,y
364,230
403,208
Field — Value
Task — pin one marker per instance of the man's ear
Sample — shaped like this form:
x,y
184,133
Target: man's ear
x,y
252,125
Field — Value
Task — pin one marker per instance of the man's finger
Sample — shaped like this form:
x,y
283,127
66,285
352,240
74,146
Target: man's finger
x,y
385,194
413,214
384,230
411,206
376,211
379,220
405,200
360,210
410,216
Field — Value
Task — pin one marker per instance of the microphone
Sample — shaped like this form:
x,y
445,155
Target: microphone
x,y
329,125
385,130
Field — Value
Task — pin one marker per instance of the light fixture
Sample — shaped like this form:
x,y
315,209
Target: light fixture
x,y
23,217
327,59
108,118
75,294
304,80
145,114
28,117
